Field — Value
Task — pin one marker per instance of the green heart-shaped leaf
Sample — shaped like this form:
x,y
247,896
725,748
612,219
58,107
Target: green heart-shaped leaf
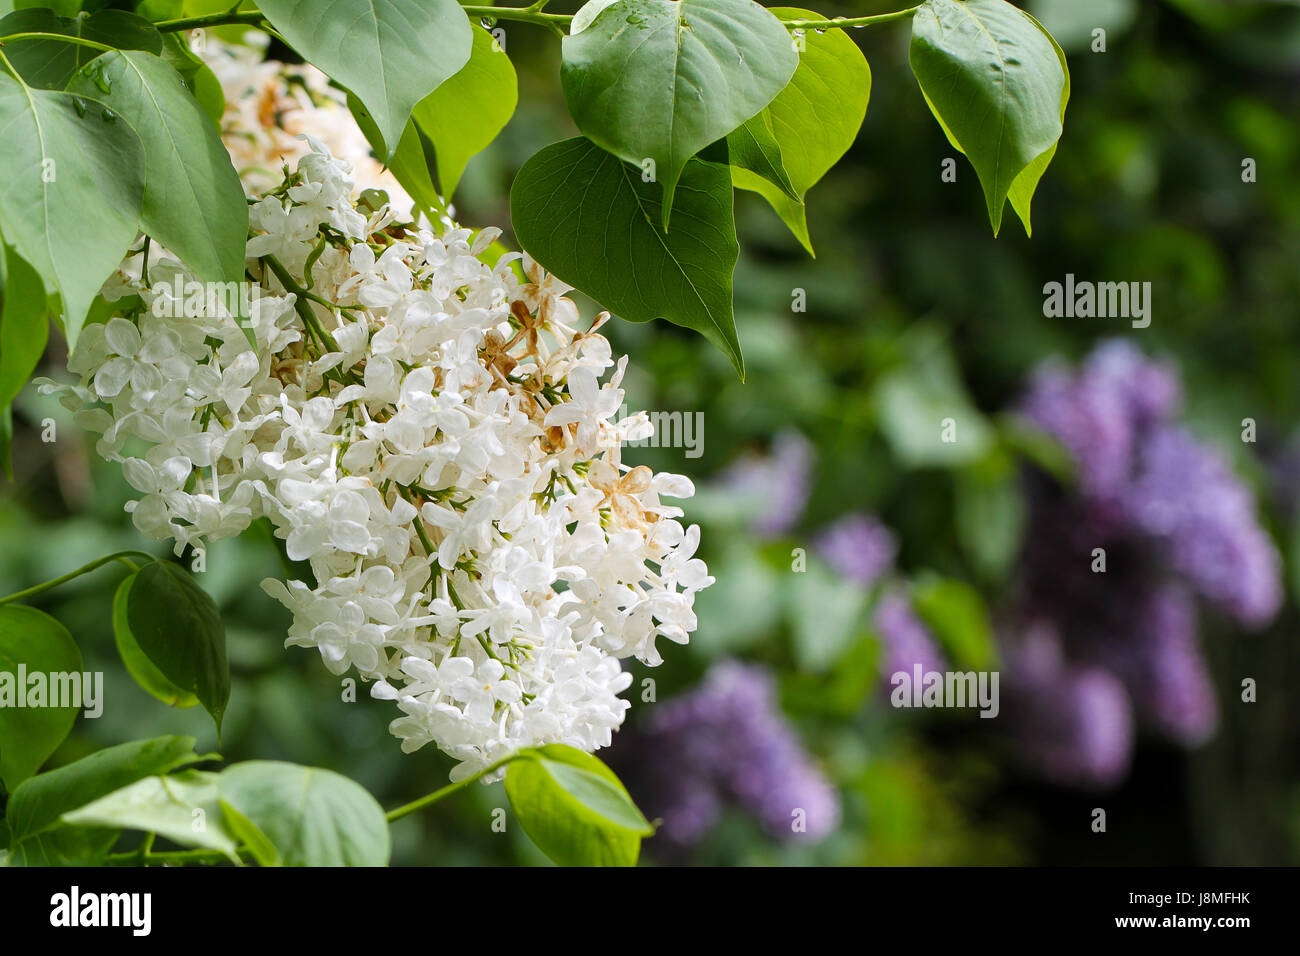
x,y
37,804
997,83
464,114
390,53
574,808
183,807
593,220
660,80
302,816
177,625
814,120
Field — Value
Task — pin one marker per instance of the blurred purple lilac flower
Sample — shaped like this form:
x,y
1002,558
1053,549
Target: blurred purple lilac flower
x,y
725,740
906,640
1142,475
1100,412
1072,722
1171,517
1185,497
859,547
778,481
1162,667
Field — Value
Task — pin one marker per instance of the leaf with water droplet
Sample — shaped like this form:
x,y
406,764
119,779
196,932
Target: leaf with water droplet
x,y
188,168
51,64
74,231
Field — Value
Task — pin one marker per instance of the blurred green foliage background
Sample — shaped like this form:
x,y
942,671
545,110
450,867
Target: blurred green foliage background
x,y
910,300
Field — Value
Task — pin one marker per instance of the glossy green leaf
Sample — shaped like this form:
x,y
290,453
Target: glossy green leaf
x,y
1026,184
38,803
63,846
592,220
753,147
24,325
137,663
389,53
660,80
574,808
997,84
183,807
463,115
50,64
178,627
198,76
814,120
410,163
40,645
193,201
302,816
70,198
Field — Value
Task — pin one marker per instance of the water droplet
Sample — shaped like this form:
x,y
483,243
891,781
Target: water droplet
x,y
487,22
819,31
80,106
109,116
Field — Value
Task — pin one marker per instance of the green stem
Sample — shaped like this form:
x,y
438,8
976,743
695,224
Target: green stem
x,y
135,858
77,41
531,14
209,20
84,569
446,791
534,13
319,300
300,302
846,22
425,542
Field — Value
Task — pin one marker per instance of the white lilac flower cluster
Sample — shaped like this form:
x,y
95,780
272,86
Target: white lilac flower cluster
x,y
434,437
